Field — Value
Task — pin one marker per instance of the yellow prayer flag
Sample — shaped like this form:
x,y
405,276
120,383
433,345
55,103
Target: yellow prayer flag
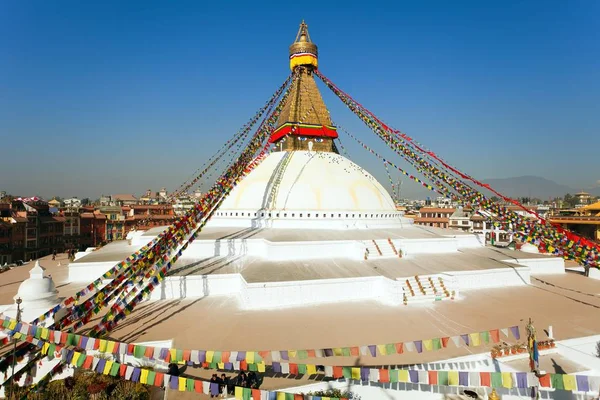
x,y
403,375
102,346
280,396
12,324
261,367
45,348
173,354
182,384
221,365
569,382
381,348
107,367
453,378
474,339
76,356
250,357
144,376
110,346
209,355
428,344
311,369
239,393
45,333
292,353
338,351
507,380
355,373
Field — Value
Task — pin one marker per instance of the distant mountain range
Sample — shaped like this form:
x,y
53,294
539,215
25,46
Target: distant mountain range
x,y
521,186
532,186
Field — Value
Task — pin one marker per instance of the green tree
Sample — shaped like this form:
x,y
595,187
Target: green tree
x,y
569,201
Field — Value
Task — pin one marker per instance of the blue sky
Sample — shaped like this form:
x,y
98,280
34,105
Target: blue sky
x,y
120,96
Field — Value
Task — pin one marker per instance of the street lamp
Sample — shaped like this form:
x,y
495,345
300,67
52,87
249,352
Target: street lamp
x,y
14,358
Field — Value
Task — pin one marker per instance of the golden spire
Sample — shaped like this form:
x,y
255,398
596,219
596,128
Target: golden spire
x,y
303,51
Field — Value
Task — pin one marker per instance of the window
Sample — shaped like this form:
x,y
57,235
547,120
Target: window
x,y
308,215
300,215
293,215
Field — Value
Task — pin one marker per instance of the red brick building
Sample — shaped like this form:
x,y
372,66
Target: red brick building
x,y
434,216
146,216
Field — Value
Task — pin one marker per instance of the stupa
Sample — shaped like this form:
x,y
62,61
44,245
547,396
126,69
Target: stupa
x,y
310,219
305,182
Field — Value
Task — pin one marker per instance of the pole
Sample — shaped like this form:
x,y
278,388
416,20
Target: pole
x,y
18,301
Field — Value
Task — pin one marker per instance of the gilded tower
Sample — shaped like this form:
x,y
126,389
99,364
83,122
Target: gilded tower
x,y
304,123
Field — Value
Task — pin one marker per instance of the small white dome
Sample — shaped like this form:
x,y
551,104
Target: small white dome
x,y
529,248
37,287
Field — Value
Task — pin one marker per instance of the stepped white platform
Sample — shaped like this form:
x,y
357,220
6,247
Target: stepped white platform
x,y
273,268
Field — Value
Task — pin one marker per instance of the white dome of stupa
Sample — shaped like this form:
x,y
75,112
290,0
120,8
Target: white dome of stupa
x,y
38,288
295,185
529,248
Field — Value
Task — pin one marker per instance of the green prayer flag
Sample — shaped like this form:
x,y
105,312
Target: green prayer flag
x,y
138,351
442,378
393,375
302,369
437,344
252,367
390,348
289,396
347,372
217,357
151,377
5,323
247,394
189,385
346,351
302,354
80,361
485,336
496,379
213,365
179,355
70,338
114,369
51,350
38,332
557,381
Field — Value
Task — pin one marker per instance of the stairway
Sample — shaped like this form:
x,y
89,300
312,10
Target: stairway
x,y
425,289
380,248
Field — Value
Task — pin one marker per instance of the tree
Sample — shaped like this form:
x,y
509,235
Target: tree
x,y
85,201
569,201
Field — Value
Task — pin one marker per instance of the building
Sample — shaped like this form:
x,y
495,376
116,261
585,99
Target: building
x,y
92,228
118,200
146,216
584,220
73,203
583,199
434,216
115,222
150,197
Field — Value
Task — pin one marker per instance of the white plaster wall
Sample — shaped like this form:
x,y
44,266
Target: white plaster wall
x,y
87,272
540,266
426,246
501,277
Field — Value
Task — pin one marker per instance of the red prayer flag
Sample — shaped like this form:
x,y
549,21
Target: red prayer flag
x,y
149,352
63,337
445,341
293,369
545,380
87,364
311,353
187,355
122,369
130,348
337,372
225,356
198,386
255,394
158,379
485,379
243,365
384,376
432,377
354,351
399,348
495,335
298,396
